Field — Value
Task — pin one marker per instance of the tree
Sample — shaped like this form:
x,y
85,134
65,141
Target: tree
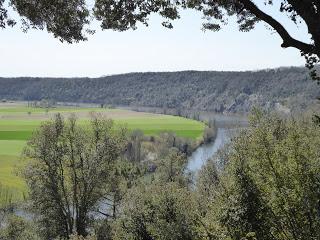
x,y
270,186
134,146
207,181
68,20
172,168
161,211
17,228
124,176
65,19
69,173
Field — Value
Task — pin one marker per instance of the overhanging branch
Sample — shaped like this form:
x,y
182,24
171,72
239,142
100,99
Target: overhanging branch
x,y
288,41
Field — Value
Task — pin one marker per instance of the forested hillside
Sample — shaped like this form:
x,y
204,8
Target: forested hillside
x,y
215,91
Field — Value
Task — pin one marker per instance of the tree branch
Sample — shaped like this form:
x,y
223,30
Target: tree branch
x,y
288,41
104,214
307,10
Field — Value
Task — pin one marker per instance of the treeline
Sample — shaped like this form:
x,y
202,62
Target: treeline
x,y
263,185
282,89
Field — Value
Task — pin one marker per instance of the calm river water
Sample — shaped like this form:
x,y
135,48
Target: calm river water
x,y
228,126
206,151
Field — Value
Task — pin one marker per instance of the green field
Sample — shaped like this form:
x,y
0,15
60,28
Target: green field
x,y
17,124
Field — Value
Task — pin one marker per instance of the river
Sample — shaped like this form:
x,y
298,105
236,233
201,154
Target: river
x,y
207,151
227,126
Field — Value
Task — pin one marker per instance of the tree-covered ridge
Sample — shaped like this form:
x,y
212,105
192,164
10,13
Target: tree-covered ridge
x,y
209,90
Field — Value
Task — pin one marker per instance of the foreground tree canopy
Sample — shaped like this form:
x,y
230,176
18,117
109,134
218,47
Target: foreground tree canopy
x,y
72,172
90,182
69,20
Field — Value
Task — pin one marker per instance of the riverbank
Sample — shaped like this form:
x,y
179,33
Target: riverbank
x,y
207,151
224,125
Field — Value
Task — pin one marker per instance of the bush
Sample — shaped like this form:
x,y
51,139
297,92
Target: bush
x,y
158,212
18,229
270,186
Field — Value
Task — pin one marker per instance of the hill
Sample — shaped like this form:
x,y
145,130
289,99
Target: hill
x,y
284,88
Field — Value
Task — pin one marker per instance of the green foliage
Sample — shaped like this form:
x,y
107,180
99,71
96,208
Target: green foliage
x,y
134,146
171,168
265,187
65,19
158,212
162,208
18,229
69,172
103,230
270,187
77,237
124,175
207,182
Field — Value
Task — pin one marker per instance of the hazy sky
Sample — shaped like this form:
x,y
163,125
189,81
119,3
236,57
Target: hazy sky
x,y
155,48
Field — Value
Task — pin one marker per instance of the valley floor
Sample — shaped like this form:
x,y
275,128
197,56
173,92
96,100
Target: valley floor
x,y
18,122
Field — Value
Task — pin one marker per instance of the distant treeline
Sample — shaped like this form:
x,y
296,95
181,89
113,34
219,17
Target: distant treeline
x,y
283,89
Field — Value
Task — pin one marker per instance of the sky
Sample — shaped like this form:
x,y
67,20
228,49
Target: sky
x,y
153,48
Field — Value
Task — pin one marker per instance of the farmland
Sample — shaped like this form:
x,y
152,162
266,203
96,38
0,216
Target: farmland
x,y
17,123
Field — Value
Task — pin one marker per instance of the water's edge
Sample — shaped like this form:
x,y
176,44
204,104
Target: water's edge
x,y
206,151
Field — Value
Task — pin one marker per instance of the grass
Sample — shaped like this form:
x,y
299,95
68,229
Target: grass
x,y
12,186
17,124
11,147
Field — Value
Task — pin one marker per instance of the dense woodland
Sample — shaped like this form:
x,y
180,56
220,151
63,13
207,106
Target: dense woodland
x,y
225,92
82,185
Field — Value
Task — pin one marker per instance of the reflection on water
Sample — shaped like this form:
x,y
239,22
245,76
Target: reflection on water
x,y
205,152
